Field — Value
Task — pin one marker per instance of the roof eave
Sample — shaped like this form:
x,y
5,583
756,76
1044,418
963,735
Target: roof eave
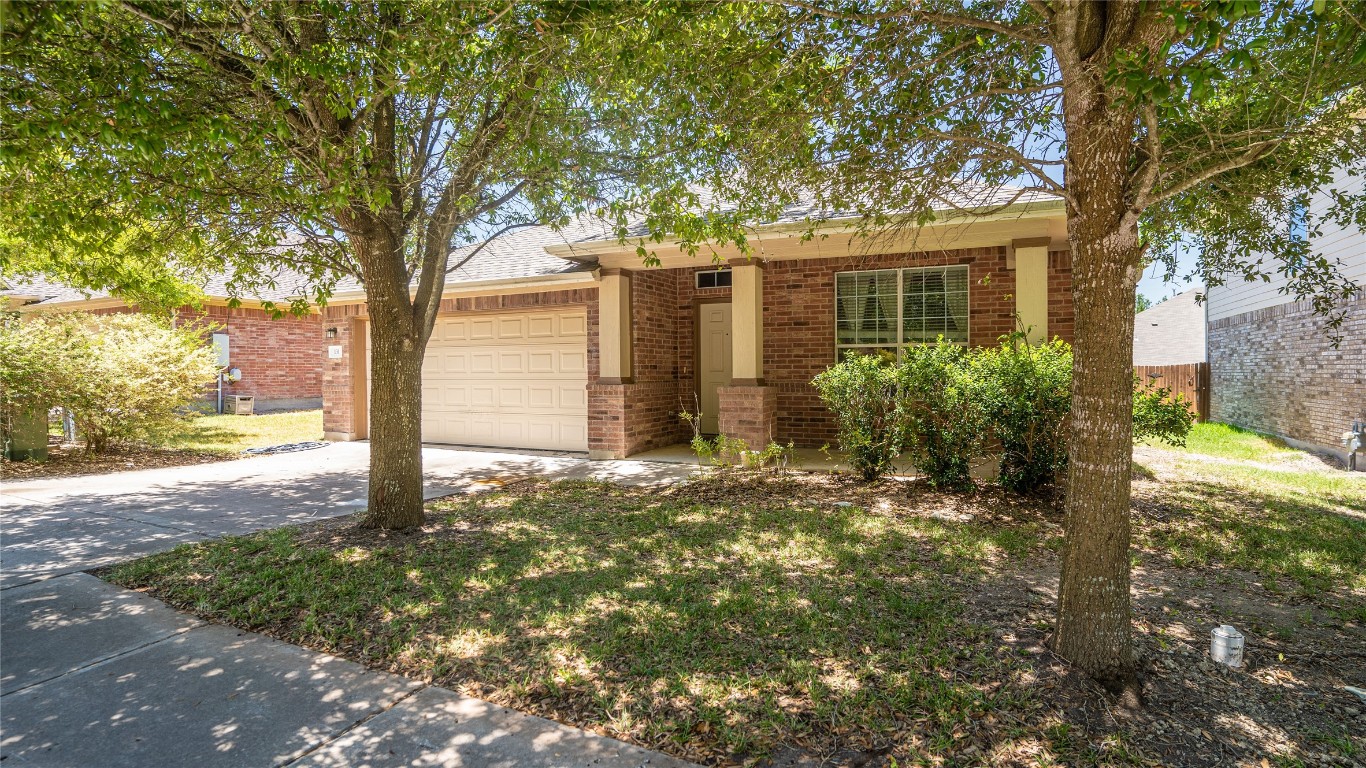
x,y
588,251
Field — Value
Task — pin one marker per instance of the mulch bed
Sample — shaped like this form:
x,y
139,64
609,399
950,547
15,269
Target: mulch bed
x,y
72,460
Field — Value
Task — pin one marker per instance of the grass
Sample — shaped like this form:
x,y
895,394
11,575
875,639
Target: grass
x,y
232,434
726,620
1230,442
711,629
1268,511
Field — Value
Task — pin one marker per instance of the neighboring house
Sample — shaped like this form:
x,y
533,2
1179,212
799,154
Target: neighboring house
x,y
280,360
1171,333
566,341
1273,367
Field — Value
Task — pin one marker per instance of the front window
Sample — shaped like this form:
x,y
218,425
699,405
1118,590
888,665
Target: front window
x,y
891,308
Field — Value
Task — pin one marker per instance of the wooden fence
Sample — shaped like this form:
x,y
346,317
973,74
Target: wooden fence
x,y
1190,380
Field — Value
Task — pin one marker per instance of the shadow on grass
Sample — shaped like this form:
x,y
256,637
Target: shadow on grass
x,y
726,620
711,630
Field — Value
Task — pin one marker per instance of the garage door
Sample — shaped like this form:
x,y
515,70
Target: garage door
x,y
508,380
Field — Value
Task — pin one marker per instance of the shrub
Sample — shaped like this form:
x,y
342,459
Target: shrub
x,y
942,414
862,393
1158,414
124,377
1025,393
941,402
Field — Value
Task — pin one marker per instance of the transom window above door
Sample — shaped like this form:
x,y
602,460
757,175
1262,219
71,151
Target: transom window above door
x,y
891,308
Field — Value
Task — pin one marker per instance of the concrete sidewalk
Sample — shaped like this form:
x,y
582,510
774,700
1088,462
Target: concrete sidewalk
x,y
95,675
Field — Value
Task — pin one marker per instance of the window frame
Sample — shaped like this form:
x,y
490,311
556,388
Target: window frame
x,y
898,345
697,279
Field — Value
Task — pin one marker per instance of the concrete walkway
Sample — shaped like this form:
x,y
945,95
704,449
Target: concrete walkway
x,y
95,675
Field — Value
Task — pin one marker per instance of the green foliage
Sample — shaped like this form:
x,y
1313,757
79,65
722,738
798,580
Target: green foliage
x,y
864,394
943,405
124,377
1025,393
774,455
1160,415
945,424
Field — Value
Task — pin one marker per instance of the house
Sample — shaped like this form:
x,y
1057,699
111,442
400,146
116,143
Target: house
x,y
279,359
1273,365
567,341
1172,332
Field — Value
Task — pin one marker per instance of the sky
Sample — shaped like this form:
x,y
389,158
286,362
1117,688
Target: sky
x,y
1155,286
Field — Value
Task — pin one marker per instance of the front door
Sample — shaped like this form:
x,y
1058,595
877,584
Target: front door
x,y
713,359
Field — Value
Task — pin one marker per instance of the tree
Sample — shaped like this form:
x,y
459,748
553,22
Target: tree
x,y
369,138
1152,121
1142,303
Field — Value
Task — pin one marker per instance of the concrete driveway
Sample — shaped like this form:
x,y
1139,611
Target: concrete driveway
x,y
65,525
96,675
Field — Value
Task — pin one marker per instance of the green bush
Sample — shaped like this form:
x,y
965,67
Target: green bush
x,y
942,404
1025,392
124,377
862,392
1160,415
943,419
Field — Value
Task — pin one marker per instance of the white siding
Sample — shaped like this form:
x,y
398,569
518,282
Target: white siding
x,y
1347,245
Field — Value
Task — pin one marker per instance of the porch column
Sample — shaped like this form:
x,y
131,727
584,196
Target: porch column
x,y
614,327
1031,286
747,322
748,409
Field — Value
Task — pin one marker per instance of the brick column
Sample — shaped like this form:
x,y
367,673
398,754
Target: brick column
x,y
608,430
749,413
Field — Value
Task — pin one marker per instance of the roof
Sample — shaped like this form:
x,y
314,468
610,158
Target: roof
x,y
1171,333
517,255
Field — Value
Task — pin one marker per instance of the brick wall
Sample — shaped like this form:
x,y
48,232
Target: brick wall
x,y
1275,370
624,419
280,359
338,382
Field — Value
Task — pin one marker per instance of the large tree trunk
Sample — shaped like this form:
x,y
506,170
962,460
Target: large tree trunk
x,y
1093,628
397,344
1094,622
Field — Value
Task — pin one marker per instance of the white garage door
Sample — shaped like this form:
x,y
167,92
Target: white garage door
x,y
507,380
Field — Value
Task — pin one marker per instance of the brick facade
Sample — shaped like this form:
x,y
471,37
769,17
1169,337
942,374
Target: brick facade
x,y
280,360
749,413
799,342
1275,370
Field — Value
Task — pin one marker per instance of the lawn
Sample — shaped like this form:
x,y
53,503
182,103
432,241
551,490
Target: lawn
x,y
197,440
232,434
751,618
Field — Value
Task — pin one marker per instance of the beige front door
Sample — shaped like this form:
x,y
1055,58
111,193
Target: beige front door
x,y
713,359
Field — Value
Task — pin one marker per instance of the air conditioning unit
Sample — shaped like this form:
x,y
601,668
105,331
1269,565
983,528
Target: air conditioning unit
x,y
242,405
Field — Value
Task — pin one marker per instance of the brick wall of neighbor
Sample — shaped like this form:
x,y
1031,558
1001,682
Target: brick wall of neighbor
x,y
338,392
1275,370
280,360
